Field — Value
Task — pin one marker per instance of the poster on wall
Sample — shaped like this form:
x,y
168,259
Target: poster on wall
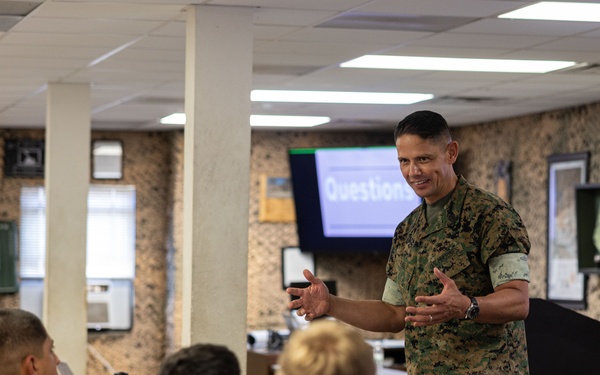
x,y
502,179
565,285
276,204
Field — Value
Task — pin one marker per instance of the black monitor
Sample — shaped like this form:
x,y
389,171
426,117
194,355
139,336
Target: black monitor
x,y
587,198
349,199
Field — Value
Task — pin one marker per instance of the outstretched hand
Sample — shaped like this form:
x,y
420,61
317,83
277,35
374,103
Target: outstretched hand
x,y
448,305
314,299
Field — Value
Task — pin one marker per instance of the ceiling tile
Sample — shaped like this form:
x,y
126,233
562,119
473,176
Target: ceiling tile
x,y
525,27
112,10
454,8
138,50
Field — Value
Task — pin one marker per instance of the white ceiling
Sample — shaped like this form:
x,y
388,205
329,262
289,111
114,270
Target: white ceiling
x,y
132,53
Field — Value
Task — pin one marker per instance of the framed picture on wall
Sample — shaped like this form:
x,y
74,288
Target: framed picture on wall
x,y
565,285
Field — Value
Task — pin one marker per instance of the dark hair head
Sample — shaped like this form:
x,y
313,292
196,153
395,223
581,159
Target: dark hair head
x,y
21,334
201,359
426,124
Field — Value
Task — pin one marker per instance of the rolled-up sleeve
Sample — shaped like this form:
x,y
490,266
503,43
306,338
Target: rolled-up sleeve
x,y
391,294
508,267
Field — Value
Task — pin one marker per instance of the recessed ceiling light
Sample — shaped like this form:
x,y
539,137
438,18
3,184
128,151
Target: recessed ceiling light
x,y
260,120
337,97
456,64
557,11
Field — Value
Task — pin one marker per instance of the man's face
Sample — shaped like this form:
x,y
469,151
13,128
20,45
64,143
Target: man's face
x,y
427,166
47,364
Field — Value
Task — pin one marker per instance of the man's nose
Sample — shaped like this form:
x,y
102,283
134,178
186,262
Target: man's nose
x,y
414,169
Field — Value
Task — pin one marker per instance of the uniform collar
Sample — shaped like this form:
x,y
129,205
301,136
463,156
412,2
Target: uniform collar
x,y
450,218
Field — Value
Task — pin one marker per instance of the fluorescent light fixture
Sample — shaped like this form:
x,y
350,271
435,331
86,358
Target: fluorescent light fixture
x,y
337,97
177,118
456,64
260,120
557,11
288,121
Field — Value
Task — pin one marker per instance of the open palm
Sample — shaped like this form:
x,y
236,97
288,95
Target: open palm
x,y
314,299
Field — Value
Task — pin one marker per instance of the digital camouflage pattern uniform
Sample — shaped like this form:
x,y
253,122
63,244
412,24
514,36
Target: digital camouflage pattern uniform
x,y
473,227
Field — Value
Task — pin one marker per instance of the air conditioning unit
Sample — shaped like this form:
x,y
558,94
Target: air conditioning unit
x,y
110,302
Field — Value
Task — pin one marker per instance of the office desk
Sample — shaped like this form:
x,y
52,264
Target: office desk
x,y
261,362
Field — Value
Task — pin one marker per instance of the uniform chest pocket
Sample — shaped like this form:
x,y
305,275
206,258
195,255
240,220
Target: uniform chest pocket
x,y
450,257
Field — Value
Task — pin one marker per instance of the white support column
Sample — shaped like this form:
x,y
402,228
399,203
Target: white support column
x,y
216,176
67,175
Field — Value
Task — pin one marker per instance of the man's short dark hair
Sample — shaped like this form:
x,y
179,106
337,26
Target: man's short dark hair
x,y
21,334
201,359
428,125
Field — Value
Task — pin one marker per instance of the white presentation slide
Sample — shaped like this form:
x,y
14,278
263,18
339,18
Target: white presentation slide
x,y
362,192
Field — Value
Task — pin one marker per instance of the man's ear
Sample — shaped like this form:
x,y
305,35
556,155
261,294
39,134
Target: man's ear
x,y
452,152
29,366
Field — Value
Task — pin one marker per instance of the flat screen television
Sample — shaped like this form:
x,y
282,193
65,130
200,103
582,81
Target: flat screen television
x,y
348,199
587,208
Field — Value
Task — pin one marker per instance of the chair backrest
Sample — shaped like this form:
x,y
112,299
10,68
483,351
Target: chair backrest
x,y
560,340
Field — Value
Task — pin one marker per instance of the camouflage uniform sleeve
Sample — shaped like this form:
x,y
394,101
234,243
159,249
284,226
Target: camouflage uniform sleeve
x,y
505,234
391,294
508,267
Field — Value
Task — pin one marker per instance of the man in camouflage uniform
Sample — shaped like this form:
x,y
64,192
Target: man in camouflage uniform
x,y
458,279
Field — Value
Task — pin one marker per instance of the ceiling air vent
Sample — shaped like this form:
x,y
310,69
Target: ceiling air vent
x,y
289,70
386,21
156,100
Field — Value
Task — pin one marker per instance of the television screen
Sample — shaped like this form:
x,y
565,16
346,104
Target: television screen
x,y
587,200
348,199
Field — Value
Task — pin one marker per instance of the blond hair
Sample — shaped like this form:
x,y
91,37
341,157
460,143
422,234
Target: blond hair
x,y
326,348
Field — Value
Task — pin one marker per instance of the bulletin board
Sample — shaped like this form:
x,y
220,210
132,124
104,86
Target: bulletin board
x,y
8,257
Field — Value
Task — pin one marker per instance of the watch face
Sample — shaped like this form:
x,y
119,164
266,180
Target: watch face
x,y
473,312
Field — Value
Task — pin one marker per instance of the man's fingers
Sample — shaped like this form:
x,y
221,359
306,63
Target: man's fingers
x,y
309,276
417,311
440,275
445,280
294,304
429,300
294,291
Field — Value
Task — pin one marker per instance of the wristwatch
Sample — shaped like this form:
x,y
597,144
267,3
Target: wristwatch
x,y
473,310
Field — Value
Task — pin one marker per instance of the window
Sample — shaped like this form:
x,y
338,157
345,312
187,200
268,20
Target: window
x,y
110,232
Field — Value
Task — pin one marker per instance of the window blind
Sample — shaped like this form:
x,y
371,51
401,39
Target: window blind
x,y
110,232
